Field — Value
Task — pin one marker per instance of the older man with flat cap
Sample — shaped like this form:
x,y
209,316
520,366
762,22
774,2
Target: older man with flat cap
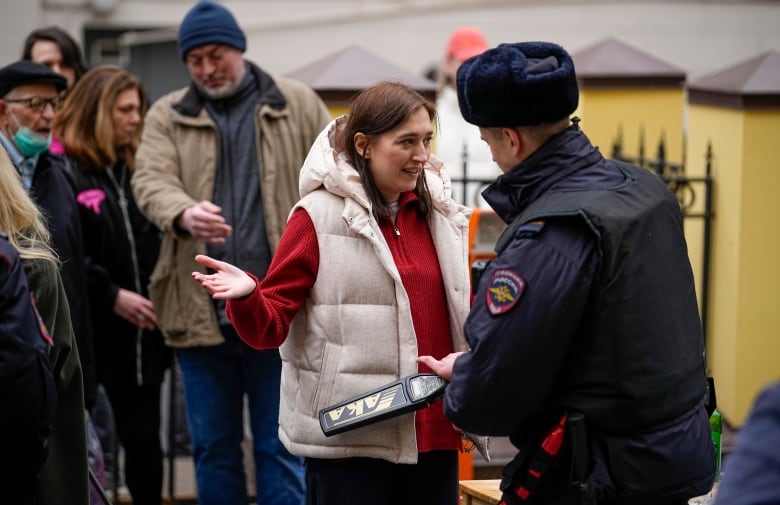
x,y
585,338
29,99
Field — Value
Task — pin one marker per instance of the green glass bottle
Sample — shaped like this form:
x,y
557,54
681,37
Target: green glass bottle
x,y
716,427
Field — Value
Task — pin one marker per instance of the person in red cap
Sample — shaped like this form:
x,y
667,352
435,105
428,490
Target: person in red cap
x,y
458,143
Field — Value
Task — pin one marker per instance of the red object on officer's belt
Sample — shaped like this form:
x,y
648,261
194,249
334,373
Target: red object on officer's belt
x,y
542,460
554,440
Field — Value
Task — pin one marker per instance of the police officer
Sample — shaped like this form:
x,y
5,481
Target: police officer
x,y
589,310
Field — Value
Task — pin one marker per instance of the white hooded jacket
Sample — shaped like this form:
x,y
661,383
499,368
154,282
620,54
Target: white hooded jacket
x,y
355,332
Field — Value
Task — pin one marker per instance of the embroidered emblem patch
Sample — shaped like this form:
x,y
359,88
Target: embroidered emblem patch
x,y
504,291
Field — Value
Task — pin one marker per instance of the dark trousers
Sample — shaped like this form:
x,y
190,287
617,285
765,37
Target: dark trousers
x,y
137,417
357,481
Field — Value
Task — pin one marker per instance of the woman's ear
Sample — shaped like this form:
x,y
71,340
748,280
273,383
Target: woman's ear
x,y
362,145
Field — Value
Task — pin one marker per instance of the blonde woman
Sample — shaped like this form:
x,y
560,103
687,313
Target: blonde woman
x,y
63,477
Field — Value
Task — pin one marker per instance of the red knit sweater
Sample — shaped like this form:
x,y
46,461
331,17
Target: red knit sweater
x,y
262,319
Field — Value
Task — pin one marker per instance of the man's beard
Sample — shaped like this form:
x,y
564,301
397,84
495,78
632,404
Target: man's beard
x,y
229,88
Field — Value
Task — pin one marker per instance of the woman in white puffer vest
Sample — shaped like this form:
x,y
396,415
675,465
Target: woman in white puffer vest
x,y
371,273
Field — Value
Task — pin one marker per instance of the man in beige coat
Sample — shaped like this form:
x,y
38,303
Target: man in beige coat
x,y
217,172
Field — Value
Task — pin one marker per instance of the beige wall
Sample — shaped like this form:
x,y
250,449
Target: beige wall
x,y
744,317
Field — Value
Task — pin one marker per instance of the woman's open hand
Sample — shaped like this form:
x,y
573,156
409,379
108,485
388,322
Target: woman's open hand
x,y
227,281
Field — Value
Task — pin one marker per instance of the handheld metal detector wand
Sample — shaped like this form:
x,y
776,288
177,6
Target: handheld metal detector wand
x,y
407,394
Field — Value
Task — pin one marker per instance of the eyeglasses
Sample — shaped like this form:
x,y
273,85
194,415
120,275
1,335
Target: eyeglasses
x,y
38,103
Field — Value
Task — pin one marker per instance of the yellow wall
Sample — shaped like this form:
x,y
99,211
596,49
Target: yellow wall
x,y
338,110
759,274
744,317
658,111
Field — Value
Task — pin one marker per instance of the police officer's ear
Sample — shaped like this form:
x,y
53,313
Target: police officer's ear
x,y
514,140
362,145
523,142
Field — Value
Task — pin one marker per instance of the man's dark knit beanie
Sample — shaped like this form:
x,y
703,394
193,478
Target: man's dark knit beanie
x,y
209,23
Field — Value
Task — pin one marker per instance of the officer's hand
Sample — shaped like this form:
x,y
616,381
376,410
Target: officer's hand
x,y
442,367
204,221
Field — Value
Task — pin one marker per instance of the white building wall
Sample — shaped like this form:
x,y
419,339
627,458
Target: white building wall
x,y
699,37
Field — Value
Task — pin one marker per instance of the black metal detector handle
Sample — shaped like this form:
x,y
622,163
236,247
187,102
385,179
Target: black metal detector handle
x,y
402,396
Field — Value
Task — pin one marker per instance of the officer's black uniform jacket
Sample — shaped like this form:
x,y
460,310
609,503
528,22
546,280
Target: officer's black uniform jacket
x,y
590,306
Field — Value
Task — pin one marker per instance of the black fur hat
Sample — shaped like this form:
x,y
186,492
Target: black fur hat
x,y
521,84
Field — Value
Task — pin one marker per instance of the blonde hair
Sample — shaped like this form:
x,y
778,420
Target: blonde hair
x,y
20,218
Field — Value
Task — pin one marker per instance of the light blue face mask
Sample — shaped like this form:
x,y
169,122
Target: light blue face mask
x,y
28,141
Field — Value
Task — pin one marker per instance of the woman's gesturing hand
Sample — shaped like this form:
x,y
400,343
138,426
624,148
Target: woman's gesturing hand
x,y
227,281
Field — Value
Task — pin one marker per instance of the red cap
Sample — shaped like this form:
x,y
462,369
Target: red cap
x,y
466,42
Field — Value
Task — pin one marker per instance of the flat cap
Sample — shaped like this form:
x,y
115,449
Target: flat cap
x,y
520,84
24,72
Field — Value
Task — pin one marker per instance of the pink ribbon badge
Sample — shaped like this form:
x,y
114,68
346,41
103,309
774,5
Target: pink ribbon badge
x,y
91,199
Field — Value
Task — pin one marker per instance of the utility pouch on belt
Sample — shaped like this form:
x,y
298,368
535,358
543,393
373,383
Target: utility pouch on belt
x,y
525,476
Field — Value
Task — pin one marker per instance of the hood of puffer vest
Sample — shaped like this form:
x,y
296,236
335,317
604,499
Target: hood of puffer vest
x,y
325,167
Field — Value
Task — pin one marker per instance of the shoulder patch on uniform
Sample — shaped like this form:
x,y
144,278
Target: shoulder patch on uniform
x,y
504,291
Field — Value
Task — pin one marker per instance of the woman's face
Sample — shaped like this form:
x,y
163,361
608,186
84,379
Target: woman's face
x,y
48,53
396,158
126,117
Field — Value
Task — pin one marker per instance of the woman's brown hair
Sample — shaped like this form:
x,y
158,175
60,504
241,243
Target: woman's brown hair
x,y
374,111
85,125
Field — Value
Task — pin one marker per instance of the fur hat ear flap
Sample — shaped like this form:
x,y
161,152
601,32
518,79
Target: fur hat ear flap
x,y
521,84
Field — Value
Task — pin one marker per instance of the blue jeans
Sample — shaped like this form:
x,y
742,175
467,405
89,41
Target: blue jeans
x,y
216,378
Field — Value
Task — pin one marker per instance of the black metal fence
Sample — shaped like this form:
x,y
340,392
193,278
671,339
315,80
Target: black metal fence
x,y
466,188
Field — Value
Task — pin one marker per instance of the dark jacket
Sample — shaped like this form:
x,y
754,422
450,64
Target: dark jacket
x,y
64,475
52,191
590,306
27,388
121,250
751,474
